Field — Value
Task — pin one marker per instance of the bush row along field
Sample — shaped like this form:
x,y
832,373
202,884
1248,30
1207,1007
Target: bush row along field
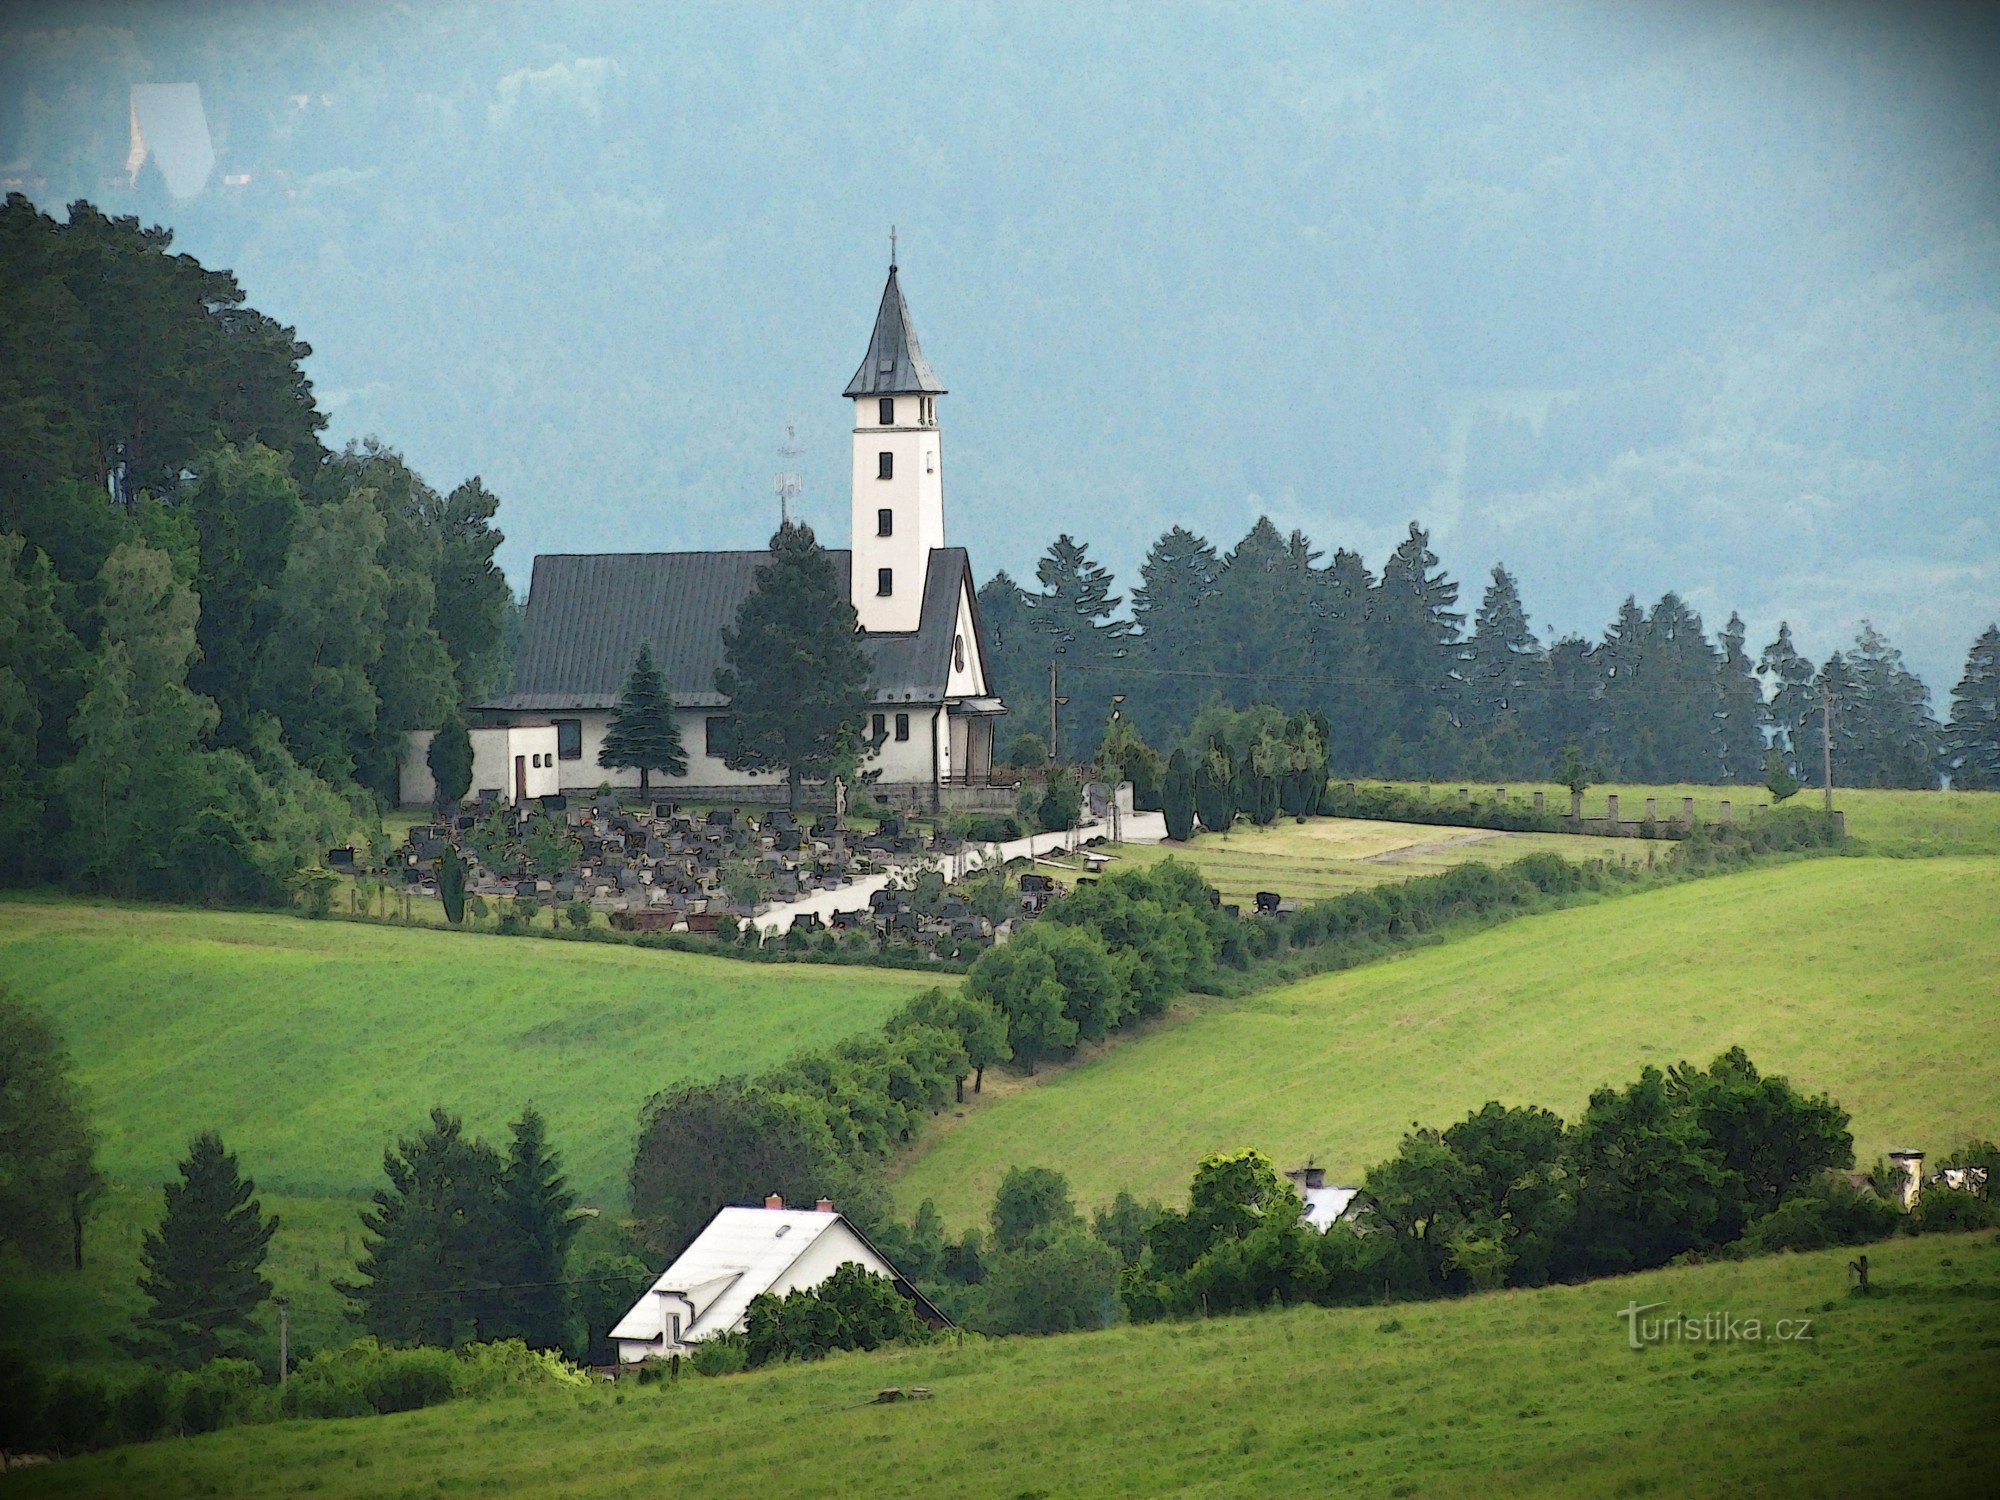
x,y
311,1046
1525,1392
1869,979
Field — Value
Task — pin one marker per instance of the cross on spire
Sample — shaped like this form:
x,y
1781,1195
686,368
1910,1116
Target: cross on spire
x,y
892,247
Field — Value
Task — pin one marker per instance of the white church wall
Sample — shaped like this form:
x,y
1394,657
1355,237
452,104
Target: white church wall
x,y
915,496
967,677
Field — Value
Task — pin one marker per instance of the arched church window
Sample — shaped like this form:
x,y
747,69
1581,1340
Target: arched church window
x,y
958,652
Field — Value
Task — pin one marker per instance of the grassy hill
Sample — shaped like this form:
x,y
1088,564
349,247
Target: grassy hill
x,y
1531,1392
1871,979
310,1045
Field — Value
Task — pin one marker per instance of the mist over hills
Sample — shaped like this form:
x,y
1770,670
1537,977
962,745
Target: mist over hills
x,y
1632,298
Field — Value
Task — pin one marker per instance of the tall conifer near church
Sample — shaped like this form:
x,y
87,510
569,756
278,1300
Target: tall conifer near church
x,y
539,1223
203,1267
793,668
1972,740
644,735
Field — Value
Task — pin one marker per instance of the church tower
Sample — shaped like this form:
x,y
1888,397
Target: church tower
x,y
898,471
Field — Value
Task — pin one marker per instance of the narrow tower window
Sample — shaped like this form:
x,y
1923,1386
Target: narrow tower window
x,y
885,581
885,523
885,466
885,410
902,726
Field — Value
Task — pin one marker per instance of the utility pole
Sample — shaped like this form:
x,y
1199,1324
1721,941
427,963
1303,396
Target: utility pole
x,y
284,1336
1826,739
1055,703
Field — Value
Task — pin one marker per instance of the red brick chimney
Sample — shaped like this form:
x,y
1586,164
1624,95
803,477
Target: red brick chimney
x,y
774,1201
825,1205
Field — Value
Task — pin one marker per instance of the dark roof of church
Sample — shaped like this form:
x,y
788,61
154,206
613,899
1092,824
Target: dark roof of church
x,y
895,366
587,614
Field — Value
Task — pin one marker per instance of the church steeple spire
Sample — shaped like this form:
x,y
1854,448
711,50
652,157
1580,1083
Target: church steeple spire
x,y
895,364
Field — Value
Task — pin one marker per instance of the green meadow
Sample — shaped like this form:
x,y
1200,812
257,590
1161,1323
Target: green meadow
x,y
1509,1393
1870,979
1902,823
311,1045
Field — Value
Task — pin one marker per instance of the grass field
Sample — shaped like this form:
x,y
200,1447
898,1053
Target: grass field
x,y
1326,856
311,1045
1510,1393
1887,822
1871,979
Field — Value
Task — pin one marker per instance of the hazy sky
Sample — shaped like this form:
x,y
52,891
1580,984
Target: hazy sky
x,y
1630,297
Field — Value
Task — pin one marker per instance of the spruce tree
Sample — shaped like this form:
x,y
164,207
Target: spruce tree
x,y
202,1268
1895,739
1972,741
1413,634
437,1252
1794,705
1740,709
539,1224
644,734
793,667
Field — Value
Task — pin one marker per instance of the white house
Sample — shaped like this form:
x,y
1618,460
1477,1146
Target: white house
x,y
743,1253
933,712
1324,1206
515,762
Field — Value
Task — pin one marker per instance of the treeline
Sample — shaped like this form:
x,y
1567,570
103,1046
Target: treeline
x,y
213,633
1688,1161
1405,691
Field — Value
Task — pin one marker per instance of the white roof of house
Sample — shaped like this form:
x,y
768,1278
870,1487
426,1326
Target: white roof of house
x,y
1325,1205
740,1255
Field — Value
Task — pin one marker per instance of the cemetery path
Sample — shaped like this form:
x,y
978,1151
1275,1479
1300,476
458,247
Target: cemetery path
x,y
1139,828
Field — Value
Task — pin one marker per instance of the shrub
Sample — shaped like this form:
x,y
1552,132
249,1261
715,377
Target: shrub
x,y
725,1354
509,1364
218,1393
142,1409
76,1413
1831,1211
23,1394
407,1379
1940,1209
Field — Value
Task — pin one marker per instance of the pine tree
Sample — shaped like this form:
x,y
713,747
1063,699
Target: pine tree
x,y
1740,709
794,671
428,1274
539,1223
202,1268
1973,738
644,734
1170,621
1895,739
1414,636
1073,626
1794,705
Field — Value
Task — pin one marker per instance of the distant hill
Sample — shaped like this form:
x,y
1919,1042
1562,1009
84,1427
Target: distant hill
x,y
1708,296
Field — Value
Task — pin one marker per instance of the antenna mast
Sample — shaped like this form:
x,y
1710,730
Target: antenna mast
x,y
787,483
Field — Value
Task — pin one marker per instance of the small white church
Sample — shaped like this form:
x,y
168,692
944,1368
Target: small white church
x,y
933,716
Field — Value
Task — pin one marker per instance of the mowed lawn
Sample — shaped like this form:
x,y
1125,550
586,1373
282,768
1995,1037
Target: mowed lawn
x,y
1328,856
1510,1393
312,1045
1875,980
